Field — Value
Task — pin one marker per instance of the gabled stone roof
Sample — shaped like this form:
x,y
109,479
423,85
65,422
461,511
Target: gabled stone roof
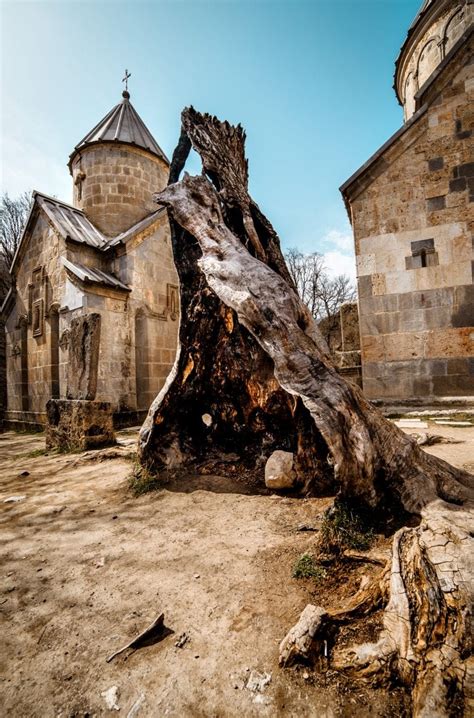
x,y
122,124
135,229
92,275
72,224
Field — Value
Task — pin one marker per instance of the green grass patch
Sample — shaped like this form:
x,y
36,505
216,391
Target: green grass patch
x,y
344,528
307,567
35,453
142,480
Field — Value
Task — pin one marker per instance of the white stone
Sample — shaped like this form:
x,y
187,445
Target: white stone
x,y
279,472
365,265
111,696
257,682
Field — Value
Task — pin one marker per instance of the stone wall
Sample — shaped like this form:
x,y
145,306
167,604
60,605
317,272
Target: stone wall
x,y
75,425
40,284
146,263
117,184
413,222
137,341
138,334
341,331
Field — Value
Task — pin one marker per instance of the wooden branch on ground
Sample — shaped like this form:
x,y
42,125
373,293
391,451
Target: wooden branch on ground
x,y
153,630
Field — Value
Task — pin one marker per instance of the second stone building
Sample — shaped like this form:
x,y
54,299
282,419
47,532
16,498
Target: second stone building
x,y
109,255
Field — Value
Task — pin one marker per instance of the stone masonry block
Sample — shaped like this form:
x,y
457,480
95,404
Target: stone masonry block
x,y
378,284
388,322
464,295
436,367
407,301
450,342
403,346
365,286
422,386
465,170
457,366
412,320
390,302
463,315
458,185
79,425
435,204
453,385
437,163
365,264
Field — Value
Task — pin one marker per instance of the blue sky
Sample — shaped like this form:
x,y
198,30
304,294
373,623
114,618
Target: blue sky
x,y
311,81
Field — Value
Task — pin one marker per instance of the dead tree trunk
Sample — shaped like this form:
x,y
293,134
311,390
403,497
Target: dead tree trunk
x,y
222,399
253,373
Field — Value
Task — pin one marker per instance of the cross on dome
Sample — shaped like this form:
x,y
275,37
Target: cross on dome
x,y
126,93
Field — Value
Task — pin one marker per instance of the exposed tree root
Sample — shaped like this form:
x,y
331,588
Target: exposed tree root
x,y
425,642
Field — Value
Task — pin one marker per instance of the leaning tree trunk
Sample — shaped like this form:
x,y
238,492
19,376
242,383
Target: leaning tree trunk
x,y
253,374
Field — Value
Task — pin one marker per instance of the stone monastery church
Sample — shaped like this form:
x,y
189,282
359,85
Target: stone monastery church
x,y
108,258
411,206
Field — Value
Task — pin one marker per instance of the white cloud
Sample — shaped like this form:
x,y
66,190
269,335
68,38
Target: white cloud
x,y
338,263
342,240
339,252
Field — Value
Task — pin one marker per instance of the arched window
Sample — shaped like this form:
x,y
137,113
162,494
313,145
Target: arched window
x,y
428,60
454,29
410,89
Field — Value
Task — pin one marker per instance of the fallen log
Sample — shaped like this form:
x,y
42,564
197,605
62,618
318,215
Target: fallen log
x,y
247,342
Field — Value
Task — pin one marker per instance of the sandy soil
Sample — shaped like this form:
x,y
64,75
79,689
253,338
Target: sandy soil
x,y
86,566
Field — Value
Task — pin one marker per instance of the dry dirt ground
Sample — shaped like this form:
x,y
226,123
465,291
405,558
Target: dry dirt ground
x,y
86,566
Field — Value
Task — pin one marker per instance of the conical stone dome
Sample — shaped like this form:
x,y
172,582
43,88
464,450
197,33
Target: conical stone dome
x,y
116,169
122,124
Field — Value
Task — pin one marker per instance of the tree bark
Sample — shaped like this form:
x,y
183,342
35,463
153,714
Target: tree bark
x,y
221,372
253,360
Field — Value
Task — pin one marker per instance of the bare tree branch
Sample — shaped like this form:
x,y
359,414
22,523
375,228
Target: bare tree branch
x,y
13,214
322,294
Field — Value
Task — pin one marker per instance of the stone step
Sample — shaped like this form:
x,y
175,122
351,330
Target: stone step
x,y
411,424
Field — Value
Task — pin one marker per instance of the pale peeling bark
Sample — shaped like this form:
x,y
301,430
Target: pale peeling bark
x,y
427,589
